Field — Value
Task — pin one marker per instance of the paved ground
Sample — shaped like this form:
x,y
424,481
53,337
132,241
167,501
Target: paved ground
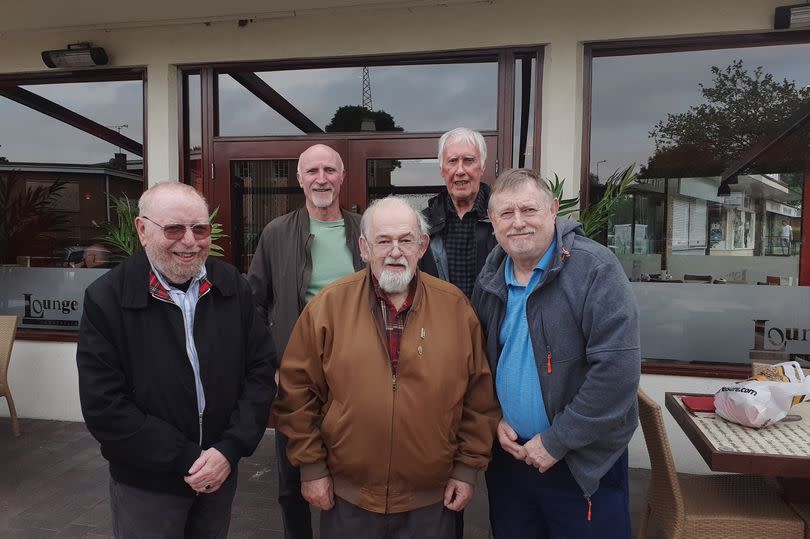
x,y
53,483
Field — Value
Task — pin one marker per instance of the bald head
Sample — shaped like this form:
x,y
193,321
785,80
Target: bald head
x,y
167,189
320,175
396,204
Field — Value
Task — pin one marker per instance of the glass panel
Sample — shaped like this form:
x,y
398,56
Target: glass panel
x,y
268,189
55,187
525,74
704,112
414,179
194,126
424,98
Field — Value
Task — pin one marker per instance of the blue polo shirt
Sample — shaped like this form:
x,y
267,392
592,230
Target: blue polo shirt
x,y
517,381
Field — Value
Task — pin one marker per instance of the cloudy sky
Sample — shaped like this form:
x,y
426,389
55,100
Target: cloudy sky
x,y
27,135
632,93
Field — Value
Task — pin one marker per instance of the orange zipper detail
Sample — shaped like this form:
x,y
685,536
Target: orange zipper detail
x,y
589,509
548,359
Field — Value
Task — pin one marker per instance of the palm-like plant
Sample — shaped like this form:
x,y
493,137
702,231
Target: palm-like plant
x,y
26,213
123,237
594,218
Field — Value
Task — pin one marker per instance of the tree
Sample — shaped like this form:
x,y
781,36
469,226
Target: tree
x,y
349,119
740,107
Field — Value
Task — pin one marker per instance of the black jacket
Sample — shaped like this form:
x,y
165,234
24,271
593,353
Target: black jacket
x,y
136,383
435,260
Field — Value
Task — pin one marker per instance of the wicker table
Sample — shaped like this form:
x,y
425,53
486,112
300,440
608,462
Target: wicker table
x,y
781,450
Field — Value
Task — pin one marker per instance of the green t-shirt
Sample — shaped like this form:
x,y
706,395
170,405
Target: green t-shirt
x,y
331,257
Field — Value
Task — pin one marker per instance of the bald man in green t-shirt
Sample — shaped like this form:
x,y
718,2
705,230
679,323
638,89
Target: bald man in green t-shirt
x,y
298,254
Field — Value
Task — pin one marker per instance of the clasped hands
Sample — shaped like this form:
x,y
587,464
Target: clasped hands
x,y
208,472
532,452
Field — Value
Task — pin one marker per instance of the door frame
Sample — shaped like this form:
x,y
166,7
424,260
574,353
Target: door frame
x,y
355,149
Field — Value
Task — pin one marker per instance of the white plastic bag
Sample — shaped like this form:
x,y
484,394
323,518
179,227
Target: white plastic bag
x,y
765,398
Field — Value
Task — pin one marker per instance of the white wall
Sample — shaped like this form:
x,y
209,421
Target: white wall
x,y
44,381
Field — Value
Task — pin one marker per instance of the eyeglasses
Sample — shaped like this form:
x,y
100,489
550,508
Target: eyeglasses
x,y
407,246
176,231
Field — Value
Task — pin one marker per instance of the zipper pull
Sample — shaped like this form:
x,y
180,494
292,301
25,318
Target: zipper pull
x,y
589,509
548,359
394,381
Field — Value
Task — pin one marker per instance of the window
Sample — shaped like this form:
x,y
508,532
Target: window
x,y
67,149
687,119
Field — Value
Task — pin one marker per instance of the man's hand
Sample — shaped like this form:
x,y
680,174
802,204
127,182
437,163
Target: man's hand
x,y
537,456
457,494
508,439
208,472
319,493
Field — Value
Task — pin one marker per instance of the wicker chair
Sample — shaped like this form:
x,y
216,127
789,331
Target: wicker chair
x,y
803,509
8,327
707,506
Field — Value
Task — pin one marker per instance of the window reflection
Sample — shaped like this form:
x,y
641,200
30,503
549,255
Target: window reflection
x,y
66,150
413,98
679,219
414,179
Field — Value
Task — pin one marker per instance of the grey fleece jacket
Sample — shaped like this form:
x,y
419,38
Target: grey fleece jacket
x,y
584,313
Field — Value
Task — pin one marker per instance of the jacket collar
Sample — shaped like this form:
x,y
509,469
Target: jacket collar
x,y
438,208
136,270
491,278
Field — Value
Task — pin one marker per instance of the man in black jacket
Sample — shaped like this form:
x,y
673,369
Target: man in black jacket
x,y
460,232
175,374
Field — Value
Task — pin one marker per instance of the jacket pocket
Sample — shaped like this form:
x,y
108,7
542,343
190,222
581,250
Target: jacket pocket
x,y
329,430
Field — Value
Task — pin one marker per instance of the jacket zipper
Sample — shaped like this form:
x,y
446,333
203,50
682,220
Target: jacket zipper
x,y
196,391
391,440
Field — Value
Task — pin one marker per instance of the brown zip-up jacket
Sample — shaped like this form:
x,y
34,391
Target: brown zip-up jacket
x,y
282,268
390,443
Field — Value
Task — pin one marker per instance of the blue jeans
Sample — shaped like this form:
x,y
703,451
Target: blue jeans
x,y
524,503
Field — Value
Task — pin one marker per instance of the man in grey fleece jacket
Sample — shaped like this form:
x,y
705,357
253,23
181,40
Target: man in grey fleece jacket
x,y
562,332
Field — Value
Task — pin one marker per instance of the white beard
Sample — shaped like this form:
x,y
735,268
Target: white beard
x,y
395,282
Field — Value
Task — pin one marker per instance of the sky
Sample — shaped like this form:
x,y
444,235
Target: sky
x,y
632,93
28,135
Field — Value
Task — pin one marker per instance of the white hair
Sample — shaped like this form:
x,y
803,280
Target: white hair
x,y
466,135
392,200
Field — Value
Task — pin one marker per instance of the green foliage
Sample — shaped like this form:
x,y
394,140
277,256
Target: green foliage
x,y
567,205
594,218
739,107
123,237
25,213
349,119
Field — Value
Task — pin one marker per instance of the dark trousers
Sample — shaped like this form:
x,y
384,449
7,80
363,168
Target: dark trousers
x,y
525,504
144,514
294,508
346,520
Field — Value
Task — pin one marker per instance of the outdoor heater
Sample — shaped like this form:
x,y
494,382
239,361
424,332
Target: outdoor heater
x,y
75,55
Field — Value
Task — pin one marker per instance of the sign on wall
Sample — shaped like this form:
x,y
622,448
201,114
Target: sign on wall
x,y
45,298
727,323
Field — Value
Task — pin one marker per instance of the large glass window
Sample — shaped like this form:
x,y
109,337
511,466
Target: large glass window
x,y
721,148
66,151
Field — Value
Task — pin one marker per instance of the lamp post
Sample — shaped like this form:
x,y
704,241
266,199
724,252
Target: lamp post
x,y
597,168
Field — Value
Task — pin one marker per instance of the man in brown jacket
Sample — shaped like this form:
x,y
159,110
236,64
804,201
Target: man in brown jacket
x,y
298,254
386,395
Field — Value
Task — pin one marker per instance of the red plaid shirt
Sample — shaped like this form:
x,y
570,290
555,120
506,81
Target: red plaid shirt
x,y
393,320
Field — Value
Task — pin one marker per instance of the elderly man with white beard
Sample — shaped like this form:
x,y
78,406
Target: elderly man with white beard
x,y
385,392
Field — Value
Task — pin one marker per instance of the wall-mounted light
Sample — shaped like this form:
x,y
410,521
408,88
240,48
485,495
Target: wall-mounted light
x,y
792,17
75,55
